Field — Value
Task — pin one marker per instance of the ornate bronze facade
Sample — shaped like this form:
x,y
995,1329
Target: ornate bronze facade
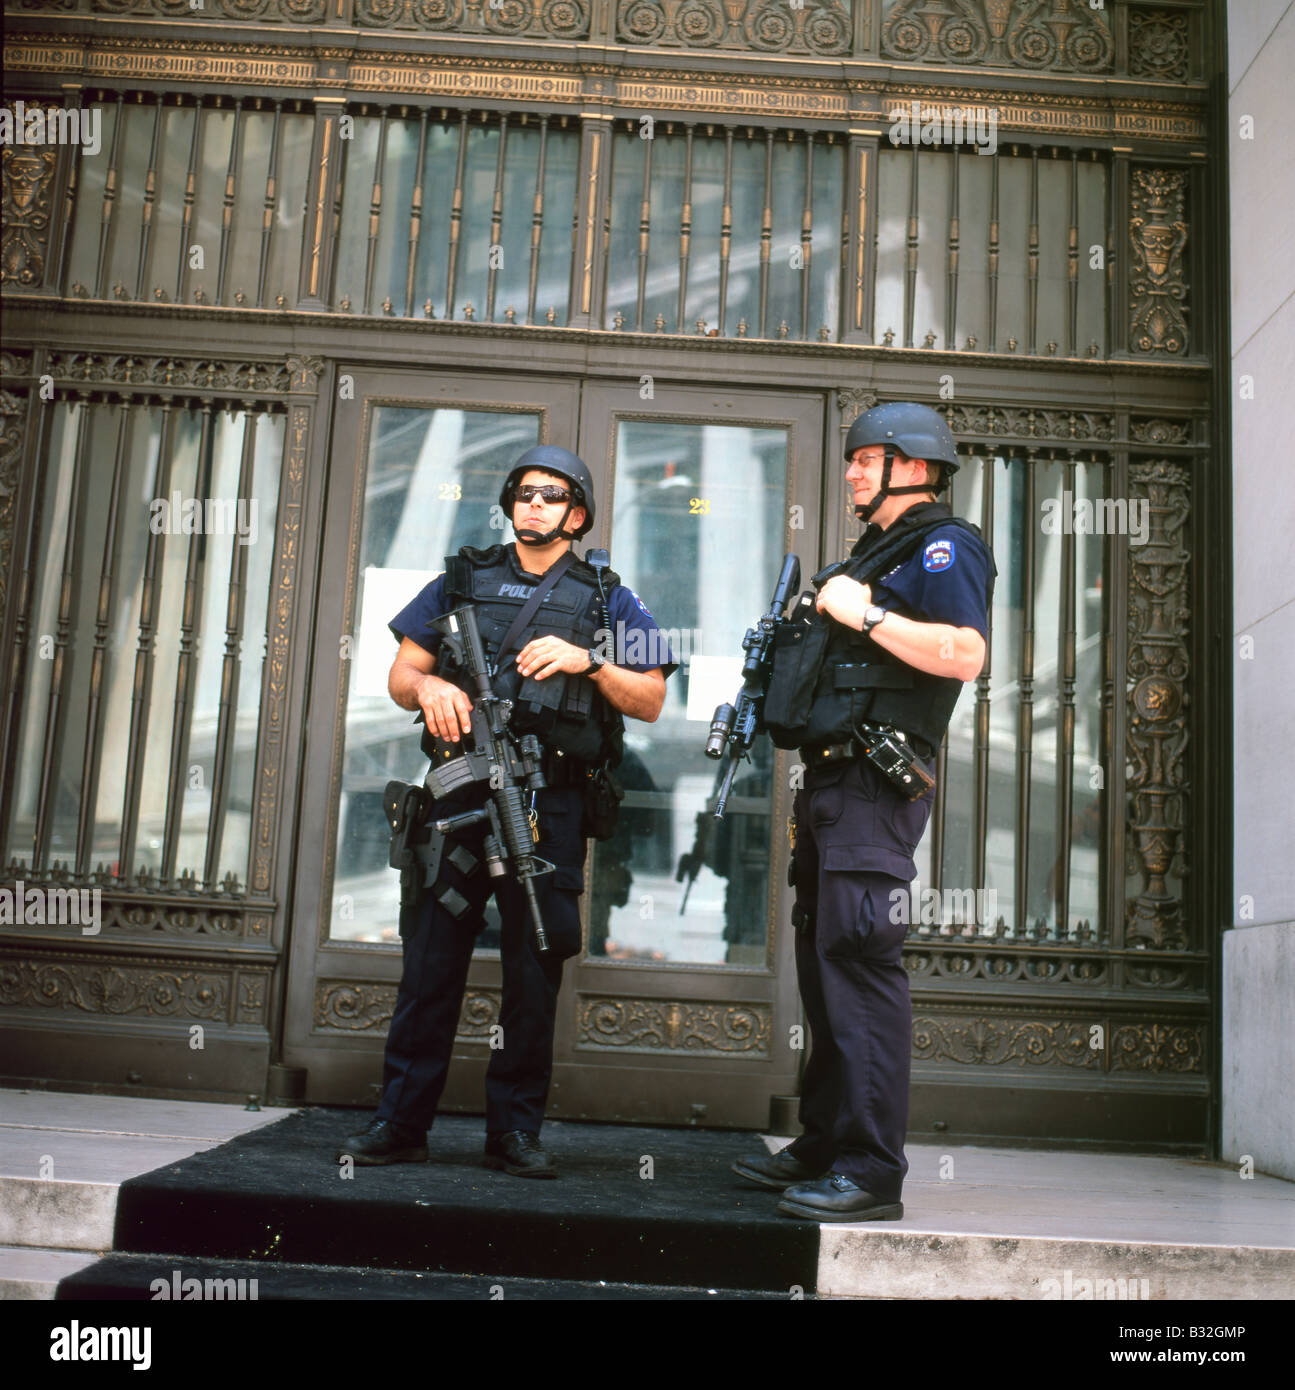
x,y
1114,1008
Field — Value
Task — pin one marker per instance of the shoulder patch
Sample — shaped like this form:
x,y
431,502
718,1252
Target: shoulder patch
x,y
642,606
938,555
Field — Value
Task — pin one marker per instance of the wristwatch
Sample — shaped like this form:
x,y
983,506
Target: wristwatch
x,y
872,616
596,663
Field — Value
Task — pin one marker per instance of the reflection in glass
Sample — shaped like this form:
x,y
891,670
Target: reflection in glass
x,y
683,495
432,480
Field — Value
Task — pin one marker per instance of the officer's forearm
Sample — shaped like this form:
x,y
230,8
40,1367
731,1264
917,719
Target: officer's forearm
x,y
403,683
936,648
639,694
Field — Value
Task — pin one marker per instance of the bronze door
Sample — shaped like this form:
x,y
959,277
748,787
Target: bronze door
x,y
667,1015
416,468
691,1016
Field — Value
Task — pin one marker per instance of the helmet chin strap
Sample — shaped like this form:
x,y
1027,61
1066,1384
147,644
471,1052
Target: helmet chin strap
x,y
529,537
867,510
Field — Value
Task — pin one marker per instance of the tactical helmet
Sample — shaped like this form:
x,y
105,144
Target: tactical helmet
x,y
917,432
564,464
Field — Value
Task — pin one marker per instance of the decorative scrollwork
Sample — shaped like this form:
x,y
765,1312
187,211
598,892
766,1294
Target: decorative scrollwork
x,y
999,1041
1157,283
1159,614
1158,1047
1160,431
13,413
117,988
1159,45
1063,34
1011,423
293,11
768,26
349,1006
27,184
178,373
652,1025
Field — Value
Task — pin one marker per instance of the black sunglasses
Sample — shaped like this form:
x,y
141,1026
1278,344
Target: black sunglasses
x,y
549,493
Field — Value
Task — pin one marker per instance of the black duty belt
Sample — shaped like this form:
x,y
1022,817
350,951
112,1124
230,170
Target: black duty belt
x,y
828,754
563,771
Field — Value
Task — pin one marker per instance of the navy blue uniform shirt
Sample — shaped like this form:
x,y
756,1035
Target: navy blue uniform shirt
x,y
638,643
946,580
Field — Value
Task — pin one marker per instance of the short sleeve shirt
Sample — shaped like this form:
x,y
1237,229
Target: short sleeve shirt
x,y
946,580
637,643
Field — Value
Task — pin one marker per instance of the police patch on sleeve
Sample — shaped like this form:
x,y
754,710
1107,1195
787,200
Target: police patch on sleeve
x,y
643,608
938,556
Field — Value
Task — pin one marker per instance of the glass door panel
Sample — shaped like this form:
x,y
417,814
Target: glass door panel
x,y
698,523
433,477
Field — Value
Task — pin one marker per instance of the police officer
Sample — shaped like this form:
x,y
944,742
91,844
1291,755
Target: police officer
x,y
895,632
572,697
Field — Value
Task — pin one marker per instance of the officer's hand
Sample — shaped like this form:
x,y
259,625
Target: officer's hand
x,y
542,657
446,708
844,599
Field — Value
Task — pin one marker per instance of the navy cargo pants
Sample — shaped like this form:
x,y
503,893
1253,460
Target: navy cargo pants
x,y
437,954
855,838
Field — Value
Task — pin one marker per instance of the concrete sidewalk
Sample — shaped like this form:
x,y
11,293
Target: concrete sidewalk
x,y
63,1157
979,1223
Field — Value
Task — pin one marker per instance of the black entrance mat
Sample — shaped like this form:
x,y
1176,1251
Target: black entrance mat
x,y
278,1195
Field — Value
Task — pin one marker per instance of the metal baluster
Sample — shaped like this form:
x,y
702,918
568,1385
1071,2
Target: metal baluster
x,y
1109,853
55,711
227,211
267,215
229,673
109,198
187,666
726,227
150,199
951,304
142,690
190,193
645,232
766,235
1025,703
1032,281
806,233
685,228
375,210
1072,261
496,219
416,213
910,276
1066,708
456,217
23,594
981,824
1112,244
90,762
993,255
69,212
537,222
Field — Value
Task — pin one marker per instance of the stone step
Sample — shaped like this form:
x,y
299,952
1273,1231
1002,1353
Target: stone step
x,y
165,1277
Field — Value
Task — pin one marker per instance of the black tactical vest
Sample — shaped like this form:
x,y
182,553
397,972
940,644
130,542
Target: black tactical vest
x,y
827,678
566,712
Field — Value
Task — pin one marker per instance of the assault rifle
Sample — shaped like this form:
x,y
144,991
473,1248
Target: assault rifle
x,y
733,727
504,761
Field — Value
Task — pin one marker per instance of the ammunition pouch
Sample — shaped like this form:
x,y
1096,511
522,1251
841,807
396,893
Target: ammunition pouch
x,y
603,795
416,846
799,650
